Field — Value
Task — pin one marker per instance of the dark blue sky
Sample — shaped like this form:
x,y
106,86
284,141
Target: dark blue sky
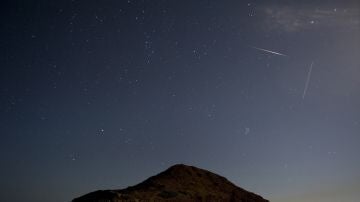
x,y
103,94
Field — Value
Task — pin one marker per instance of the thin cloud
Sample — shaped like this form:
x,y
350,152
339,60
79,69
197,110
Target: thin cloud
x,y
291,19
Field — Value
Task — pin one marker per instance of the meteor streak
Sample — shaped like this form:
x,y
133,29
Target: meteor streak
x,y
308,80
268,51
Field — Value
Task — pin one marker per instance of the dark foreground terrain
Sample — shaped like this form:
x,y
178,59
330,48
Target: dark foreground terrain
x,y
178,183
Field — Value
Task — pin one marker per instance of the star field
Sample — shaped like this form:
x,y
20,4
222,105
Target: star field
x,y
101,95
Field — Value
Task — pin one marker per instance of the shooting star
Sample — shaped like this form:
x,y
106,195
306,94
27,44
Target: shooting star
x,y
268,51
308,80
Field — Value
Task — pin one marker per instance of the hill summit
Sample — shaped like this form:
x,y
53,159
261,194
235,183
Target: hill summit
x,y
177,183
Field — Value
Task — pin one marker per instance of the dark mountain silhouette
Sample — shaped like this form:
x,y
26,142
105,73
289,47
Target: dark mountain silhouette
x,y
178,183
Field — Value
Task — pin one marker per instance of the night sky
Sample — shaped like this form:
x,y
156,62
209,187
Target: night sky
x,y
103,94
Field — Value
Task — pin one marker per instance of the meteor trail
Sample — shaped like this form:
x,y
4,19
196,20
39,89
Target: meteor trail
x,y
308,80
268,51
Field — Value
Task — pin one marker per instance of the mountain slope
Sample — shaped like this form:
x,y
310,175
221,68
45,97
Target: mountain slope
x,y
178,183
